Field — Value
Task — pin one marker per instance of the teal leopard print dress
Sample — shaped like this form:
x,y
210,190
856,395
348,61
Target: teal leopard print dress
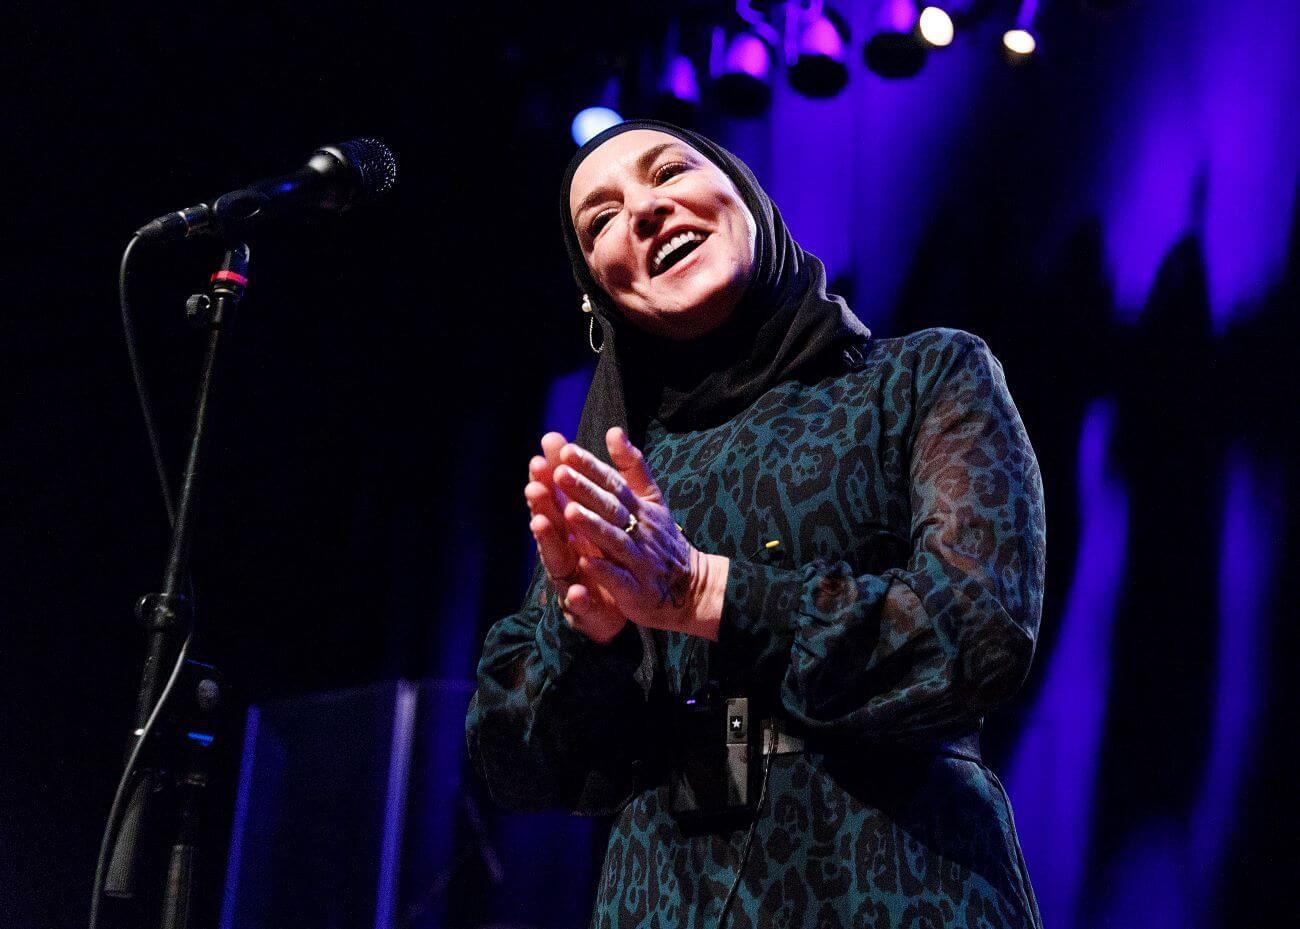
x,y
902,604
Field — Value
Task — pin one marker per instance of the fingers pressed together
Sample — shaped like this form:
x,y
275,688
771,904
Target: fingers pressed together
x,y
606,538
568,556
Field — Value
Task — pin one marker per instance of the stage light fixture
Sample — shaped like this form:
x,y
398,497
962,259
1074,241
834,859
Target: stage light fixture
x,y
592,121
935,27
679,91
1019,42
740,67
820,67
896,50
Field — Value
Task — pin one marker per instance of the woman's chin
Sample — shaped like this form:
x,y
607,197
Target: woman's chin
x,y
690,310
685,308
689,321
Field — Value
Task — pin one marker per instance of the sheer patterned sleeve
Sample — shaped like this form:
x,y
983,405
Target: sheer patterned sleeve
x,y
549,724
920,651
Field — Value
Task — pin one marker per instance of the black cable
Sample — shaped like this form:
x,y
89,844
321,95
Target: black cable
x,y
753,828
142,389
124,783
128,775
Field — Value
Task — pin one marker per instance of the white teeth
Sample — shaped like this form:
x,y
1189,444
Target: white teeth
x,y
674,243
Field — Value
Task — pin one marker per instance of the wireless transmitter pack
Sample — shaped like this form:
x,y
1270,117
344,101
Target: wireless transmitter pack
x,y
719,773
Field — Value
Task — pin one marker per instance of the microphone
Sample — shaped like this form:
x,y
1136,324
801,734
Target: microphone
x,y
336,178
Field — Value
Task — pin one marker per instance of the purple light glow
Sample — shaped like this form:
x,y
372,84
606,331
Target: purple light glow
x,y
1252,133
820,37
564,402
1151,205
1205,139
896,15
1253,502
399,766
1168,873
1028,10
239,824
680,80
857,176
747,55
1146,883
1055,764
758,22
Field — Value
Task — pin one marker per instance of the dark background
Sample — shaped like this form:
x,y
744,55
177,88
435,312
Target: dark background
x,y
389,376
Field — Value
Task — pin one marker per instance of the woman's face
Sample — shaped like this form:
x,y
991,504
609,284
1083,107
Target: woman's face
x,y
664,232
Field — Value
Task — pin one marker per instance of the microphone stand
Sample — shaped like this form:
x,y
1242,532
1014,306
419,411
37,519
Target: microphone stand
x,y
167,616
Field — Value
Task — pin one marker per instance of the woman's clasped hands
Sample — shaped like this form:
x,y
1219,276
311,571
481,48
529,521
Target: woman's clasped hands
x,y
611,548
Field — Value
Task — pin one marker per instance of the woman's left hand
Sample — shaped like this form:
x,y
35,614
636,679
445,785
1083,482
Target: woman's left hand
x,y
656,577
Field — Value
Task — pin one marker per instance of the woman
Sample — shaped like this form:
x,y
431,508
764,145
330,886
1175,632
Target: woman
x,y
762,501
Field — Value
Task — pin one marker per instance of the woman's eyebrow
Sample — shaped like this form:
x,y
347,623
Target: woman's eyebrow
x,y
643,163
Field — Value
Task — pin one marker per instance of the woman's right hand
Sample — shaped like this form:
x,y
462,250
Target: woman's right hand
x,y
560,550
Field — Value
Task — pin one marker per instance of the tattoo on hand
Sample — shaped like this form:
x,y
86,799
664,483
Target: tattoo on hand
x,y
674,592
678,583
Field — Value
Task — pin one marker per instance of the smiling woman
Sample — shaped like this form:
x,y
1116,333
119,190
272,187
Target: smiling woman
x,y
664,231
784,571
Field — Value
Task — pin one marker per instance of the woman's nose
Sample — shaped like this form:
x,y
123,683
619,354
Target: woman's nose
x,y
650,215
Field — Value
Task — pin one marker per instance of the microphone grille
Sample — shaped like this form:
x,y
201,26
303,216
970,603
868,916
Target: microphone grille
x,y
373,162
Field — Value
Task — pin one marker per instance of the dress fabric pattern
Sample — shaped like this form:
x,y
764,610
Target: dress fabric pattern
x,y
902,604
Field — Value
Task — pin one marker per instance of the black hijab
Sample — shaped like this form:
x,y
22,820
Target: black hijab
x,y
785,325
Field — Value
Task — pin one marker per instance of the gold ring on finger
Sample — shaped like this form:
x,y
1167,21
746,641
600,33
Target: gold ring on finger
x,y
632,523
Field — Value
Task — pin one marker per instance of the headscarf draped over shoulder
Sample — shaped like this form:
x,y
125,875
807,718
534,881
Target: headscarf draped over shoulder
x,y
786,325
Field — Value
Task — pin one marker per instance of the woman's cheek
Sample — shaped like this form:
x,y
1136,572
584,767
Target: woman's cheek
x,y
602,266
616,275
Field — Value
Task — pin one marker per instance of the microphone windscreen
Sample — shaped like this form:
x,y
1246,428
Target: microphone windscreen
x,y
373,162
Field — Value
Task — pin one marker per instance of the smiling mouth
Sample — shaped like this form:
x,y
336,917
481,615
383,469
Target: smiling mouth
x,y
676,250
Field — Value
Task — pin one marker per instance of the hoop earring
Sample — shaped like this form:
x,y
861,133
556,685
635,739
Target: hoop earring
x,y
591,325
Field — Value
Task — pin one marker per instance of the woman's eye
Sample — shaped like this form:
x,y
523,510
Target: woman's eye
x,y
670,170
